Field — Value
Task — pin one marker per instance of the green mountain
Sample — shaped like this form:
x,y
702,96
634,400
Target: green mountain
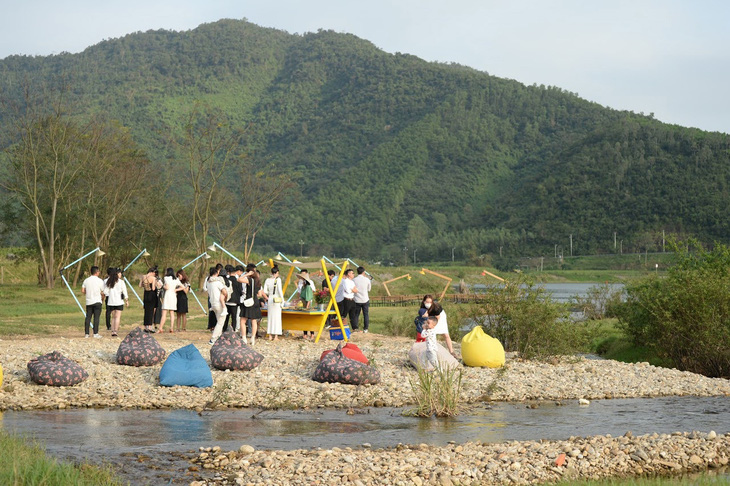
x,y
389,151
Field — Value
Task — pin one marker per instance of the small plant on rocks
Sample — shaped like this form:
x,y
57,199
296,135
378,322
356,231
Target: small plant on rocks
x,y
437,392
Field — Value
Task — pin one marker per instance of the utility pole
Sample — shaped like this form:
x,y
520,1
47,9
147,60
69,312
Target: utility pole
x,y
541,261
556,251
614,241
301,248
405,256
452,254
662,241
571,244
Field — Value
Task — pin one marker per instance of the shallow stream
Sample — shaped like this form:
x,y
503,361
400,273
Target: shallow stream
x,y
148,444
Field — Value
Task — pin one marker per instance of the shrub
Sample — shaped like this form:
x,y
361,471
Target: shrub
x,y
400,325
601,301
685,317
524,318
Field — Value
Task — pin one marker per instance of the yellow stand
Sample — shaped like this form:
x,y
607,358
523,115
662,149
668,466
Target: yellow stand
x,y
296,320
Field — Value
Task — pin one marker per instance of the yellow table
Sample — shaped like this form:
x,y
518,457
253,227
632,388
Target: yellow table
x,y
303,320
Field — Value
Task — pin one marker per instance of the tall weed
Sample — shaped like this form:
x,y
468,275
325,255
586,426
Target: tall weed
x,y
437,392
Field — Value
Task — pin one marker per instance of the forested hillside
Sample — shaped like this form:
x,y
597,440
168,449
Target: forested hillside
x,y
390,152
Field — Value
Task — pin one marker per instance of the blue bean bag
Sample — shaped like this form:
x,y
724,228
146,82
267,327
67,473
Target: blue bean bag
x,y
186,367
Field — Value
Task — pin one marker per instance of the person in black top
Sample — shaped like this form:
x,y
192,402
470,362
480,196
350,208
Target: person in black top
x,y
234,302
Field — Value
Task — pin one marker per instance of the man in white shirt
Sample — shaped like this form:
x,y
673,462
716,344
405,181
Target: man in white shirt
x,y
362,300
347,305
92,288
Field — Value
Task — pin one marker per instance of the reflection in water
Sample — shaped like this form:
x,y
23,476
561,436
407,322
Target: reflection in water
x,y
74,431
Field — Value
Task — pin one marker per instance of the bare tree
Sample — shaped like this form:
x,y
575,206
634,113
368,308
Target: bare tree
x,y
44,165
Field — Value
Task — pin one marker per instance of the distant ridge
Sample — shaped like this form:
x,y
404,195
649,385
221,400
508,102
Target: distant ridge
x,y
392,152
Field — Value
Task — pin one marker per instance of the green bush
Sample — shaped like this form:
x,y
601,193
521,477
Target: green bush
x,y
685,317
400,325
601,301
524,318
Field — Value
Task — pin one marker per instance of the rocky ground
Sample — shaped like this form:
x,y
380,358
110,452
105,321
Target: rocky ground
x,y
527,462
283,380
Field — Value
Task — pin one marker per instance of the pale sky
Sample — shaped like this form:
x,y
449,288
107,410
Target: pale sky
x,y
667,57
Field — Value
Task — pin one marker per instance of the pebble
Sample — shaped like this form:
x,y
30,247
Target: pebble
x,y
284,378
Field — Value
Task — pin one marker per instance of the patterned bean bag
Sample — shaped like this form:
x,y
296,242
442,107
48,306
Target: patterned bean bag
x,y
230,353
351,351
55,370
139,349
338,368
186,367
479,349
417,355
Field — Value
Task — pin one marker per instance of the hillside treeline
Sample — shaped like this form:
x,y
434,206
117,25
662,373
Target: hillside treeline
x,y
381,154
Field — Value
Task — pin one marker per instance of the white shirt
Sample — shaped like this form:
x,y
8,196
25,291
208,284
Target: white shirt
x,y
340,290
430,336
215,285
115,293
94,286
363,289
272,288
348,285
442,327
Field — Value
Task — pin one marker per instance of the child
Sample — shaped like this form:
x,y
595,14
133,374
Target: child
x,y
419,321
429,335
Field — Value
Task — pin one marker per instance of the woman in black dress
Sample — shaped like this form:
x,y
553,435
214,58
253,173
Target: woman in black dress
x,y
252,286
149,300
182,301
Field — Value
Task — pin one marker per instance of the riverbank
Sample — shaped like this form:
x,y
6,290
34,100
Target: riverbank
x,y
283,380
527,462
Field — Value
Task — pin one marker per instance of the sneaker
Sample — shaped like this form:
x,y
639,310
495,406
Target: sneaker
x,y
87,336
97,336
365,331
211,342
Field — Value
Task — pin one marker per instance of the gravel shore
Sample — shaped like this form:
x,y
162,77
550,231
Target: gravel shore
x,y
283,380
527,462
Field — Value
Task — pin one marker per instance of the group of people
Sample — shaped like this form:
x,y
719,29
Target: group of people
x,y
111,290
163,297
235,298
352,297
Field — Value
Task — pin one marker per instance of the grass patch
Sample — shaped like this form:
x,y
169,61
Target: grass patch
x,y
437,392
27,463
694,480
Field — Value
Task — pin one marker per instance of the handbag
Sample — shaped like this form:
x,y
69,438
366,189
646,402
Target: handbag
x,y
247,298
277,300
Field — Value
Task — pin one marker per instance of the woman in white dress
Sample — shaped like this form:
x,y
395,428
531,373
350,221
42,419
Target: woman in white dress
x,y
275,300
169,302
116,291
434,309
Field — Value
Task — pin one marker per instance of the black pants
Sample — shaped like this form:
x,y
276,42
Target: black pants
x,y
365,309
95,310
232,317
211,318
347,311
108,314
149,301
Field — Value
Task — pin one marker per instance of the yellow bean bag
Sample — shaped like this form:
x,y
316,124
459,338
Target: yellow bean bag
x,y
479,349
